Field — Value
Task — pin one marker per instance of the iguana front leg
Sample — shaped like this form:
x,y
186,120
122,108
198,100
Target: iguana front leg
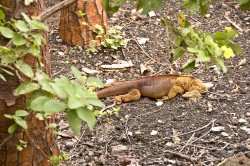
x,y
173,92
133,95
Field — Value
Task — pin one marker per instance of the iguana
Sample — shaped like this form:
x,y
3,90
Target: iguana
x,y
163,87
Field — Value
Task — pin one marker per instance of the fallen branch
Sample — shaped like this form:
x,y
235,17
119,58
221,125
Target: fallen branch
x,y
47,13
233,23
211,122
193,159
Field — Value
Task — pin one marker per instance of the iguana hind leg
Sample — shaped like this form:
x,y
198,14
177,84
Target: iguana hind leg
x,y
173,92
133,95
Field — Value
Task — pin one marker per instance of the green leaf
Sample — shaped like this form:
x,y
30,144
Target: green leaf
x,y
26,87
24,68
5,49
22,123
148,5
2,15
185,31
231,34
244,4
95,82
38,39
178,53
94,101
52,125
12,128
2,77
236,48
7,32
52,106
177,40
77,74
112,6
191,6
8,116
39,116
202,56
220,36
189,65
193,50
74,121
37,103
59,90
26,17
21,26
87,116
221,64
204,7
21,113
19,148
74,102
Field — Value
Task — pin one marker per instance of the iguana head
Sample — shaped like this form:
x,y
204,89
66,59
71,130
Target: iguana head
x,y
198,85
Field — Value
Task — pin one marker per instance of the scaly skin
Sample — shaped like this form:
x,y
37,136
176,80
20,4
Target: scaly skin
x,y
163,87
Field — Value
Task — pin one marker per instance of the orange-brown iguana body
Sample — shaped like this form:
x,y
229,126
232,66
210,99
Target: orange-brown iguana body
x,y
157,87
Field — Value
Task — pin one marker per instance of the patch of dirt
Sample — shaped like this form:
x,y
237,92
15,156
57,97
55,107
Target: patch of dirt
x,y
179,132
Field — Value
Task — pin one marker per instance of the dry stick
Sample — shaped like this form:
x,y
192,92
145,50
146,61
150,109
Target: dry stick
x,y
72,150
126,128
58,72
182,155
143,49
187,143
233,23
46,14
205,133
212,121
107,107
37,147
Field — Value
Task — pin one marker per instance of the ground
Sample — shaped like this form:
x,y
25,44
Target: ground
x,y
178,132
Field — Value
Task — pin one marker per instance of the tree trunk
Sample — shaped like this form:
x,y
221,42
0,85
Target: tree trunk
x,y
78,30
40,144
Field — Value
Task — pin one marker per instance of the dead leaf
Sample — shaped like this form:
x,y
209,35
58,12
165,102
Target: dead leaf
x,y
142,40
218,128
176,140
120,65
90,71
242,62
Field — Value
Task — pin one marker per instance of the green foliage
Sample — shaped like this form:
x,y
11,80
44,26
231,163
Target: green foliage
x,y
18,118
113,39
202,46
244,4
107,113
55,160
112,6
22,144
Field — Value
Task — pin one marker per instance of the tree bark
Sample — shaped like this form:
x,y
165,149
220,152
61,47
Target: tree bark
x,y
40,144
71,28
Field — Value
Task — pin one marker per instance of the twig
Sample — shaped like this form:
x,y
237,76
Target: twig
x,y
212,121
126,128
182,156
233,23
187,143
106,146
58,72
78,140
107,107
143,49
37,147
47,13
5,140
147,113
